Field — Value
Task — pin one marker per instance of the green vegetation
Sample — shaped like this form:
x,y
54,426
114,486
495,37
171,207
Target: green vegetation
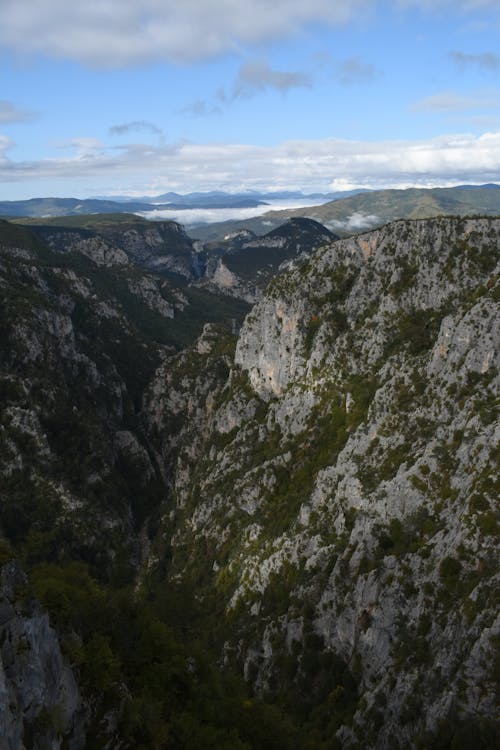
x,y
92,221
164,688
417,330
449,572
457,732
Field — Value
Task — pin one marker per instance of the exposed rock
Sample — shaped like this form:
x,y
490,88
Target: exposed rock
x,y
40,703
342,478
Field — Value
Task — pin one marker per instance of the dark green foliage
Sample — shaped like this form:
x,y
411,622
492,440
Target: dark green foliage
x,y
312,327
418,330
204,307
167,691
407,273
18,236
449,572
462,733
395,540
484,257
26,504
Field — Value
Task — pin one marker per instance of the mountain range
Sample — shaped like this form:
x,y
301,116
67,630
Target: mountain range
x,y
54,207
344,212
357,213
239,266
47,207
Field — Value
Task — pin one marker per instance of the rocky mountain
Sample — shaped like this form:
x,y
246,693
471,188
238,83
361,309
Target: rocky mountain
x,y
124,238
239,266
242,264
335,496
357,213
283,539
366,210
81,339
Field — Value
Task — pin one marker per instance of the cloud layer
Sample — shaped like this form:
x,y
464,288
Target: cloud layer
x,y
309,165
209,215
118,33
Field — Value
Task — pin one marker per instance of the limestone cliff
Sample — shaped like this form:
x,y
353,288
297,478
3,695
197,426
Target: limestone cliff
x,y
40,703
337,492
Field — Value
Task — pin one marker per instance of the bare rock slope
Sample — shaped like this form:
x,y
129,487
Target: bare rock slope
x,y
336,491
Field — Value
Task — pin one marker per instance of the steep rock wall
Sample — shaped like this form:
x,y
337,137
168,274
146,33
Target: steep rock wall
x,y
342,497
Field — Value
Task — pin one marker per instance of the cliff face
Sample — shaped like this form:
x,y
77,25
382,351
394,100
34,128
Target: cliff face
x,y
337,491
76,353
160,246
40,703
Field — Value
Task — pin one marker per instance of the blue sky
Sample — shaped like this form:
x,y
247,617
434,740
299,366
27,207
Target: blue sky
x,y
139,97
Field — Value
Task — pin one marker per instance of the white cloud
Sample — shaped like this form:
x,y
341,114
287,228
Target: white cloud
x,y
209,215
5,145
355,221
464,6
449,101
201,108
308,165
83,147
118,33
257,76
138,126
253,77
10,113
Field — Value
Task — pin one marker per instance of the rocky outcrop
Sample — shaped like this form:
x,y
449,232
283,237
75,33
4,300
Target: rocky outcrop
x,y
102,252
218,278
160,246
40,703
242,264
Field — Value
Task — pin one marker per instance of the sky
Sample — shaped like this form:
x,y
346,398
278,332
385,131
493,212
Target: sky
x,y
141,97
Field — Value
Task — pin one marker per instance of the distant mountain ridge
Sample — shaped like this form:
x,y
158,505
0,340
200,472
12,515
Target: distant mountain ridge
x,y
215,197
53,206
345,211
364,211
